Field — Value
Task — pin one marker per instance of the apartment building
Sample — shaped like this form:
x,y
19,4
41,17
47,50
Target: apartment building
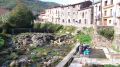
x,y
108,12
79,14
102,13
97,13
117,17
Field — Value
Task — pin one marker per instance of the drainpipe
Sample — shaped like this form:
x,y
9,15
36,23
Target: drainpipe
x,y
101,15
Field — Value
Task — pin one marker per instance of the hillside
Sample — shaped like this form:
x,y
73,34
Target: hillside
x,y
34,5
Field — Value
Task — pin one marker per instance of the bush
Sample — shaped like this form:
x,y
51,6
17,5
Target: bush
x,y
83,38
69,29
107,33
21,16
1,42
13,56
48,27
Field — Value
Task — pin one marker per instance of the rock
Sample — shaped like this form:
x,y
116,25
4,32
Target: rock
x,y
38,42
23,59
13,63
27,41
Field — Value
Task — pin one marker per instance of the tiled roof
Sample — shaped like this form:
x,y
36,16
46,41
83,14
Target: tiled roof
x,y
84,4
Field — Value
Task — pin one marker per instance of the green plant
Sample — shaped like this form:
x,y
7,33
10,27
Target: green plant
x,y
21,16
67,29
83,38
13,56
107,33
2,42
110,65
4,22
113,47
48,27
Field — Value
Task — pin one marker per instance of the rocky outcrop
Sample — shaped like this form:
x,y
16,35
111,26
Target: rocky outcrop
x,y
35,39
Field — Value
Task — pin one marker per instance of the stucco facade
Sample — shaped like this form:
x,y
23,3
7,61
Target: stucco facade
x,y
97,13
79,14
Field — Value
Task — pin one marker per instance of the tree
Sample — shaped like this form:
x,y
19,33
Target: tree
x,y
21,16
4,23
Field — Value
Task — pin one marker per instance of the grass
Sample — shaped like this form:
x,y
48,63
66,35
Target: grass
x,y
113,46
66,30
83,38
111,65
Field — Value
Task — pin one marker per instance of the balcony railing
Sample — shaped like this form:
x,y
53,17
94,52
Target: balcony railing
x,y
118,15
108,16
108,6
118,2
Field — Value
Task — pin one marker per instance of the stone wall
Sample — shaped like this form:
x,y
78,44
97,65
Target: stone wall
x,y
116,42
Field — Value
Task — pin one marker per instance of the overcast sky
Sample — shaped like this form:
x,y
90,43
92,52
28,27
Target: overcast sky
x,y
65,2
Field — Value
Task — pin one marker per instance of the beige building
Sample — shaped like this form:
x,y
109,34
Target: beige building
x,y
108,12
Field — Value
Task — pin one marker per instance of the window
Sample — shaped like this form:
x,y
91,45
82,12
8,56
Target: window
x,y
68,7
111,1
110,12
99,8
63,20
56,11
73,20
83,14
110,21
73,13
69,20
73,6
85,21
105,13
77,12
105,3
80,21
68,13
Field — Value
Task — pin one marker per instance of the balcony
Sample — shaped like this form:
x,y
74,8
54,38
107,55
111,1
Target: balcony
x,y
108,16
108,6
118,15
118,2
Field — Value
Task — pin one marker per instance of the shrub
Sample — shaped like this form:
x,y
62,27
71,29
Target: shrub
x,y
21,16
107,33
48,27
83,38
1,42
13,56
65,29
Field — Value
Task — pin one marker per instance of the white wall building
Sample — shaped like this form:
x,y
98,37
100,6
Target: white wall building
x,y
97,17
117,17
103,13
79,14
